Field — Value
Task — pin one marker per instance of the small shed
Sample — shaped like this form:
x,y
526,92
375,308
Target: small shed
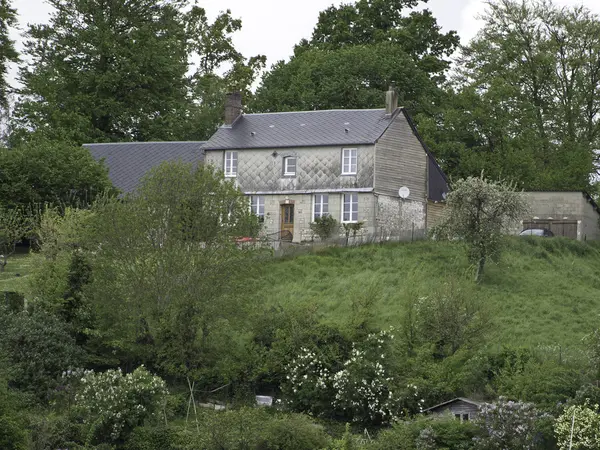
x,y
463,409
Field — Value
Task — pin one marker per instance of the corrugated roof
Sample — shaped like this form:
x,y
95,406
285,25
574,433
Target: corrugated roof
x,y
128,162
302,129
454,400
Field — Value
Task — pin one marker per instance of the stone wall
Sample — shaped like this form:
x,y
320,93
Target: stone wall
x,y
395,216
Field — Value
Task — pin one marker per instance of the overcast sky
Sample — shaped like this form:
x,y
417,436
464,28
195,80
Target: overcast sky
x,y
272,27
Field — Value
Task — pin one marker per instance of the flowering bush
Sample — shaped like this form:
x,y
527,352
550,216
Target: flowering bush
x,y
114,403
585,422
508,424
359,389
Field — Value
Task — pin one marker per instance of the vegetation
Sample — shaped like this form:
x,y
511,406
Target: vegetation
x,y
133,314
481,212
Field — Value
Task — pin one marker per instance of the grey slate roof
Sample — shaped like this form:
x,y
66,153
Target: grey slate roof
x,y
302,129
454,400
128,162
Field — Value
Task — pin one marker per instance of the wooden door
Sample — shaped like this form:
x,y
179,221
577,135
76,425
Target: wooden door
x,y
287,222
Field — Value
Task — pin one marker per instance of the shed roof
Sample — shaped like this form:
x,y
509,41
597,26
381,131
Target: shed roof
x,y
454,400
303,129
128,162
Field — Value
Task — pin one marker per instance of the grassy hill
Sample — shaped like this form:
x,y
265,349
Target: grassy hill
x,y
542,291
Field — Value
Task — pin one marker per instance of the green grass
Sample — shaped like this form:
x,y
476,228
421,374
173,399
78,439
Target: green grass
x,y
542,291
15,274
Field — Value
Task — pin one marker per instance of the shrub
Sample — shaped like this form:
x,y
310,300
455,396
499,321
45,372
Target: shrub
x,y
430,432
359,389
38,348
324,226
113,404
508,424
583,423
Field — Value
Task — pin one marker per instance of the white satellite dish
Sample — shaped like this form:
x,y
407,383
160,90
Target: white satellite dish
x,y
404,192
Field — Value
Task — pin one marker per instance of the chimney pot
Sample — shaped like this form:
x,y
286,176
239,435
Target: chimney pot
x,y
391,100
233,107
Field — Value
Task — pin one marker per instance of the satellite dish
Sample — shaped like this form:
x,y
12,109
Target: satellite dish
x,y
404,192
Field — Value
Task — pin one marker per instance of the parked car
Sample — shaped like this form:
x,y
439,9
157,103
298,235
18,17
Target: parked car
x,y
543,232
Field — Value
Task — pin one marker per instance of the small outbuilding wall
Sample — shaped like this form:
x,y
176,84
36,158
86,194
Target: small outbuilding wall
x,y
571,214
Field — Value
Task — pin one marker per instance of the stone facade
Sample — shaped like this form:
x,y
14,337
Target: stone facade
x,y
397,159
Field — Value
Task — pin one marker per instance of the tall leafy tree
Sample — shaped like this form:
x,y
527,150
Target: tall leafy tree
x,y
52,173
525,103
110,70
358,50
106,70
8,54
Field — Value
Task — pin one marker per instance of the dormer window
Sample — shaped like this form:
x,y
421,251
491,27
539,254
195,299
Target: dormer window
x,y
289,166
231,164
349,161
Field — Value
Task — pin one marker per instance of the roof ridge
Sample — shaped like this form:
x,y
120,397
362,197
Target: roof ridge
x,y
144,142
314,111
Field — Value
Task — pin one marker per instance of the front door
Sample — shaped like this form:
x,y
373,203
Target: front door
x,y
287,222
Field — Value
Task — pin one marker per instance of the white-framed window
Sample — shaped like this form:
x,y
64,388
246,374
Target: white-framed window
x,y
321,205
231,159
350,208
289,166
349,161
257,206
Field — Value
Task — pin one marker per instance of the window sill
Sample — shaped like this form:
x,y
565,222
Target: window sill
x,y
349,174
289,175
230,176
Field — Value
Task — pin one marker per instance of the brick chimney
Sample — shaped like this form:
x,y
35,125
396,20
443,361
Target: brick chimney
x,y
391,100
233,107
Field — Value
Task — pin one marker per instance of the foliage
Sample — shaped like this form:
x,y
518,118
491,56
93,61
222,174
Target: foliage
x,y
578,427
136,85
450,317
352,228
15,224
524,103
168,273
12,430
44,172
508,424
480,211
112,403
324,226
427,432
356,51
38,348
8,53
359,389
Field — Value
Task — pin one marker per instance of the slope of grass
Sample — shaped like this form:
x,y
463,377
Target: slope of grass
x,y
542,291
15,274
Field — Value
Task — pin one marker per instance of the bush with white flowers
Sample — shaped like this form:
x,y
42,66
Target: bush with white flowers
x,y
359,389
114,403
578,427
508,424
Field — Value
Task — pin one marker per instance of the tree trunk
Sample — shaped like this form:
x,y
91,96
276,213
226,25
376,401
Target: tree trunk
x,y
480,267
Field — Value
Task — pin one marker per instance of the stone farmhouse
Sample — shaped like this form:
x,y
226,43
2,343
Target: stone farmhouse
x,y
369,166
366,166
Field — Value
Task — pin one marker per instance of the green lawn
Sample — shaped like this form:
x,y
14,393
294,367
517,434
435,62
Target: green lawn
x,y
15,274
543,291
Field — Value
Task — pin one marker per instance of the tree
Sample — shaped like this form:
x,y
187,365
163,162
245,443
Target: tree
x,y
113,71
53,173
15,224
577,427
479,213
168,275
8,54
525,102
358,50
